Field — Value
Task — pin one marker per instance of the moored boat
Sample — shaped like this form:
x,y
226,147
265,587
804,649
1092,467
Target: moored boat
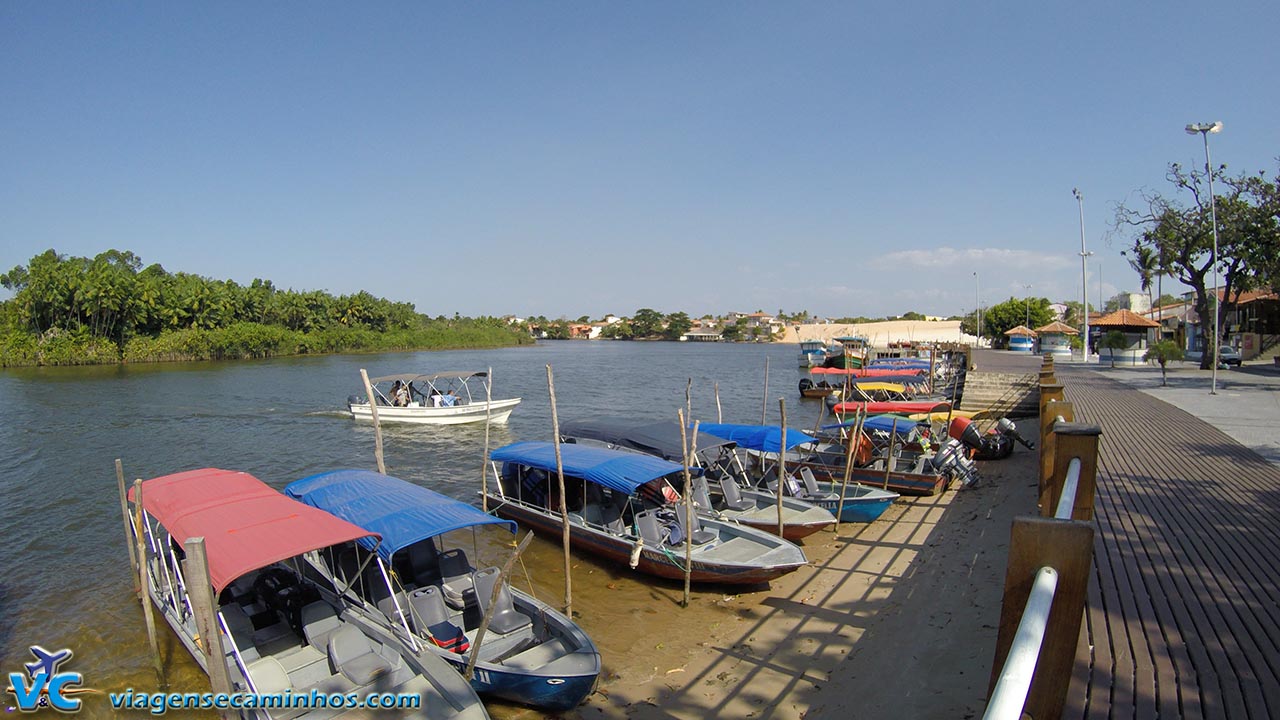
x,y
424,594
717,490
444,398
622,508
282,631
852,503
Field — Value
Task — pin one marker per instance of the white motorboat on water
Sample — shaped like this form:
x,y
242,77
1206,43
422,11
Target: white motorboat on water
x,y
444,398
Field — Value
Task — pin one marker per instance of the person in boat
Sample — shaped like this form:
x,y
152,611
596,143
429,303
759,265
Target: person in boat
x,y
400,394
448,399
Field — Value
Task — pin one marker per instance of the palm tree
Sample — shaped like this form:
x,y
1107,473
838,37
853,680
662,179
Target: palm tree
x,y
1146,262
1163,352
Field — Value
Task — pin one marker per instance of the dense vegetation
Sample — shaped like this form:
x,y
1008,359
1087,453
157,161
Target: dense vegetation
x,y
108,309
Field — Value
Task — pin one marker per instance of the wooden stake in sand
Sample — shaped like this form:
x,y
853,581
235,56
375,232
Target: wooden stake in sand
x,y
144,581
484,459
493,605
782,459
377,428
124,512
564,504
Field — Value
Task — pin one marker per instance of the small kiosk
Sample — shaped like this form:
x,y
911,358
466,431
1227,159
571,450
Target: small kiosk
x,y
1136,330
1055,338
1021,339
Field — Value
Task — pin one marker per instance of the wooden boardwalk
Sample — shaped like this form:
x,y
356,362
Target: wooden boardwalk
x,y
1183,616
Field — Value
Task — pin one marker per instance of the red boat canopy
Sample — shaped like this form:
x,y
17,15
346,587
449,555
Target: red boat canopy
x,y
246,525
862,372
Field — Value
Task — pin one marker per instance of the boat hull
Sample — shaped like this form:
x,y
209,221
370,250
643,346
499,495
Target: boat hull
x,y
498,413
667,562
861,503
905,483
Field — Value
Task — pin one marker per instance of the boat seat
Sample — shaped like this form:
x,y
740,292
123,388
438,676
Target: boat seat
x,y
241,629
505,618
354,656
701,497
732,496
592,516
611,518
269,676
424,563
431,618
811,484
319,621
698,535
387,606
650,529
455,573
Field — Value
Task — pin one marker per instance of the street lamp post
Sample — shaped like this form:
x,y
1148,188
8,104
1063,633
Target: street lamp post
x,y
1084,275
1204,129
977,281
1027,299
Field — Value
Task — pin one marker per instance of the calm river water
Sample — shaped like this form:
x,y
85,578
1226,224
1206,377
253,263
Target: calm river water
x,y
64,577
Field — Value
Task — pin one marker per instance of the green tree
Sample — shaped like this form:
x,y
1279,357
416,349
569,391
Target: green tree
x,y
678,323
1114,340
998,319
1163,352
1248,237
646,323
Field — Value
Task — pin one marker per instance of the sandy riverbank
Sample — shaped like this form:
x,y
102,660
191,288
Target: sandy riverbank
x,y
892,619
881,333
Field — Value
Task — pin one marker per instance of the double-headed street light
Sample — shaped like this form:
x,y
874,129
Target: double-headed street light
x,y
977,281
1028,302
1204,129
1084,276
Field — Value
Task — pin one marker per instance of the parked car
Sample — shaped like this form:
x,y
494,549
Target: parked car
x,y
1226,356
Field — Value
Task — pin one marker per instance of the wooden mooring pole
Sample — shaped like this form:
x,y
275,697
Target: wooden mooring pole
x,y
204,606
377,427
144,581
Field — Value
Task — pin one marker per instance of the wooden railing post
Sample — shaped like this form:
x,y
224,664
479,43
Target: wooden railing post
x,y
1047,376
1073,440
1048,443
1066,546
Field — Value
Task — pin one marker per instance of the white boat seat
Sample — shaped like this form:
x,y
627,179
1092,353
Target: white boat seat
x,y
732,497
387,606
353,654
505,618
431,619
455,573
319,621
268,676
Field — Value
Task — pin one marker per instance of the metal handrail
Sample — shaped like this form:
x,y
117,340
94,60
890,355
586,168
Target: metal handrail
x,y
1010,693
1067,503
1019,668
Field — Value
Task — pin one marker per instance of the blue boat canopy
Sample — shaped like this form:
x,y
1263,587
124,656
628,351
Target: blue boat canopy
x,y
614,469
765,438
404,513
882,423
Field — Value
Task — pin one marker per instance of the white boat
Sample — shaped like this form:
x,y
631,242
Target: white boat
x,y
812,353
437,399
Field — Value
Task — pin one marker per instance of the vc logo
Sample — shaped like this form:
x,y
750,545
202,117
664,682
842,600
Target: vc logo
x,y
45,686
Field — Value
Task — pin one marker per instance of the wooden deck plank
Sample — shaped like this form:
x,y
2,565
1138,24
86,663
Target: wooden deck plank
x,y
1182,622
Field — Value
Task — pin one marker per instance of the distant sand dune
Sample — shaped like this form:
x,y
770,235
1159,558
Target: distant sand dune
x,y
882,333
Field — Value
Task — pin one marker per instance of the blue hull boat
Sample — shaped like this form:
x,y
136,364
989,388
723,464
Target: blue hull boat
x,y
417,592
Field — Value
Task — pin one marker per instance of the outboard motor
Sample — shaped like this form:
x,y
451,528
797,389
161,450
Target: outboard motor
x,y
992,446
353,400
953,460
1006,427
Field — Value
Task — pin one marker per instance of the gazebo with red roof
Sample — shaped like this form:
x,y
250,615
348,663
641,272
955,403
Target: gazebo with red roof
x,y
1136,330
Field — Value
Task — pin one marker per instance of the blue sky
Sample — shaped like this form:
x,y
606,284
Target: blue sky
x,y
588,158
